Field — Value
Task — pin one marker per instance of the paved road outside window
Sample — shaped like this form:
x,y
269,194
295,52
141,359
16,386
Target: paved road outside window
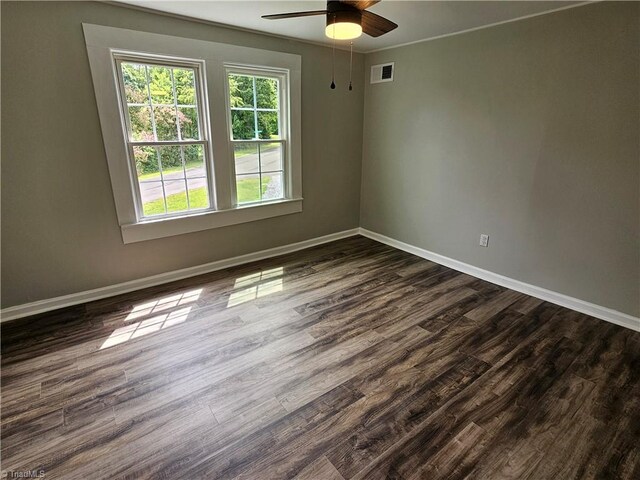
x,y
151,188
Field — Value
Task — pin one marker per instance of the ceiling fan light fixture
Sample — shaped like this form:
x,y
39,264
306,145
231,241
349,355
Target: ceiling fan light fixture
x,y
343,30
344,25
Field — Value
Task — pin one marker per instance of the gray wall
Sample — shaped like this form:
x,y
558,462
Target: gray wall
x,y
59,229
527,131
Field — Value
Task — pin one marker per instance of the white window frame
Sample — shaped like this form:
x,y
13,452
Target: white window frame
x,y
283,119
203,125
103,42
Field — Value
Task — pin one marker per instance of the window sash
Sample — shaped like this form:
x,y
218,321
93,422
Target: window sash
x,y
203,130
166,62
260,172
283,92
136,182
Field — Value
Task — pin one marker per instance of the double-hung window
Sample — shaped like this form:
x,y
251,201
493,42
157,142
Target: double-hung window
x,y
167,141
259,133
197,134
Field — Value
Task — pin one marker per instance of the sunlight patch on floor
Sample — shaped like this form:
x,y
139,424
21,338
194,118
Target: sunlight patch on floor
x,y
172,315
145,327
163,303
256,285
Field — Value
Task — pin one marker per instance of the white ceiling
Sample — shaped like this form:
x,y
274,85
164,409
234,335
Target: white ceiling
x,y
417,20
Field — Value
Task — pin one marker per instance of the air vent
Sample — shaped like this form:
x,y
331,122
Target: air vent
x,y
382,73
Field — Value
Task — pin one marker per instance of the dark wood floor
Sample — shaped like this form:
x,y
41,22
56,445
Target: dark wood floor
x,y
349,360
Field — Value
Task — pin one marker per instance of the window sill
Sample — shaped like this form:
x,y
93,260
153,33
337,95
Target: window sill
x,y
167,227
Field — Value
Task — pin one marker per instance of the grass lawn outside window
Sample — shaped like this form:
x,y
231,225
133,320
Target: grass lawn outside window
x,y
248,191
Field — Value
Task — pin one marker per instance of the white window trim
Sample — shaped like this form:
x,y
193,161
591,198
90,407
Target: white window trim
x,y
103,41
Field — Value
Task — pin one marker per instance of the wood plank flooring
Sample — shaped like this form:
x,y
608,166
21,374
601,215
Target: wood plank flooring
x,y
351,360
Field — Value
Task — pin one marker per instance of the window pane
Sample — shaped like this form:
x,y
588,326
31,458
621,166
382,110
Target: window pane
x,y
247,159
152,198
243,125
248,188
166,127
185,86
176,192
198,196
266,93
240,91
270,157
147,167
140,121
135,83
272,186
194,161
268,125
160,85
188,123
171,161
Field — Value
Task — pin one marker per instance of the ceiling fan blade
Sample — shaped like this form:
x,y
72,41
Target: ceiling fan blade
x,y
375,25
361,4
278,16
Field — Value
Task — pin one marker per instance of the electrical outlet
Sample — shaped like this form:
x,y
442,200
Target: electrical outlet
x,y
484,240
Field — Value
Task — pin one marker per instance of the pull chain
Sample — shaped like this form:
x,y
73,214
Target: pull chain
x,y
333,59
350,64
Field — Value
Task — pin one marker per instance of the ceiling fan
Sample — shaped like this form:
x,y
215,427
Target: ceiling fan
x,y
346,20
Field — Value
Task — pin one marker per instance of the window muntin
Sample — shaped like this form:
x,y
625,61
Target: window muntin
x,y
258,135
166,138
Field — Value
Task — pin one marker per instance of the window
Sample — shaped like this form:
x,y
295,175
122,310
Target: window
x,y
166,143
197,134
258,134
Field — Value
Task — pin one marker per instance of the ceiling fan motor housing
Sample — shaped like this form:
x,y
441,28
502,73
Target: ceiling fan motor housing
x,y
338,12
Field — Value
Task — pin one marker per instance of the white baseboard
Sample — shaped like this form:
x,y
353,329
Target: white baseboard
x,y
603,313
55,303
582,306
